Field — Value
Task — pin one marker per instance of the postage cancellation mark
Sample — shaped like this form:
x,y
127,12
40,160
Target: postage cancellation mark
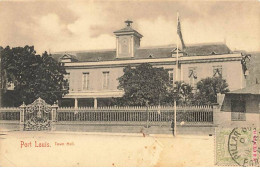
x,y
237,147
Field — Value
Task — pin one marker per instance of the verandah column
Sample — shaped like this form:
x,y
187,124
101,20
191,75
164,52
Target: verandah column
x,y
76,106
95,103
76,103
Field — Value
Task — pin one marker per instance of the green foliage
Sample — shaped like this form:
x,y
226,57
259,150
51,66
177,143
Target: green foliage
x,y
208,88
33,75
143,84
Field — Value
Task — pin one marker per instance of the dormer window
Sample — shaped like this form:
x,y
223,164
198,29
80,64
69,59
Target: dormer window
x,y
67,58
174,52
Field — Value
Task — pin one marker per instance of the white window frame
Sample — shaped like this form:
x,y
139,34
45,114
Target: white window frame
x,y
105,80
67,77
170,71
85,81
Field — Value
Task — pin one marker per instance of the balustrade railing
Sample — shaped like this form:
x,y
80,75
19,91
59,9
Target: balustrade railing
x,y
9,113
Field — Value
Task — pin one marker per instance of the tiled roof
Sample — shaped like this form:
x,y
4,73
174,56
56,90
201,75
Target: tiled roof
x,y
162,52
149,52
254,89
90,55
128,29
207,49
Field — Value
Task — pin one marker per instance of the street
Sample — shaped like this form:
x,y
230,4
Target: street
x,y
104,149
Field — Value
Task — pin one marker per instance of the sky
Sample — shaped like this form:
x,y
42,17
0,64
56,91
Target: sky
x,y
89,25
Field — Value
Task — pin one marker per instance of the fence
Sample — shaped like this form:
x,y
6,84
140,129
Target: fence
x,y
10,113
187,114
153,115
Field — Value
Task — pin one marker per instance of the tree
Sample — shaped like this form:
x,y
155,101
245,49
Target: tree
x,y
208,88
143,84
1,78
181,92
33,76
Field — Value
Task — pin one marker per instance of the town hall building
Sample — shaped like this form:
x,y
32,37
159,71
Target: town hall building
x,y
93,75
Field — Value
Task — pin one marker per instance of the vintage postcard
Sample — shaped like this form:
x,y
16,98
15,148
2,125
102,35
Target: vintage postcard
x,y
129,83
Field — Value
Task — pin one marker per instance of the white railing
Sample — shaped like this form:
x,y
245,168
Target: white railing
x,y
136,114
10,113
154,114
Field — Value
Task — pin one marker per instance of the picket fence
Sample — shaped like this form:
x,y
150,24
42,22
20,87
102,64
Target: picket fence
x,y
153,114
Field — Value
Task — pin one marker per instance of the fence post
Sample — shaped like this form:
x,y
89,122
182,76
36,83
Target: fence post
x,y
215,112
22,112
175,119
54,108
147,114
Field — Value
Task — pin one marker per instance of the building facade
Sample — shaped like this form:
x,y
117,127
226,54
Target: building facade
x,y
93,74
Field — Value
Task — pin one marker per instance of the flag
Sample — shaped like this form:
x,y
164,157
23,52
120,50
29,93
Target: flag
x,y
179,33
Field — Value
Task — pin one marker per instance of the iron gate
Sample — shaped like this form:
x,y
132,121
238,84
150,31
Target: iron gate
x,y
37,116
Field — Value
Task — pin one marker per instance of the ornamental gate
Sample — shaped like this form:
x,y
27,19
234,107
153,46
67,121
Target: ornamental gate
x,y
37,116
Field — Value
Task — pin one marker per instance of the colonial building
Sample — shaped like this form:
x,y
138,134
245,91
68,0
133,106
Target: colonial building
x,y
93,74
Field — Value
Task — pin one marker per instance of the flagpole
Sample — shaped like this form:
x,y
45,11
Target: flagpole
x,y
177,56
176,72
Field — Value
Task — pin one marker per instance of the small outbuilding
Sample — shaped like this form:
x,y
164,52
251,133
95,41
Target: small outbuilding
x,y
239,108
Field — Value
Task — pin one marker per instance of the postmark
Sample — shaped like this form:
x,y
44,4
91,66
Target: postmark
x,y
237,147
243,146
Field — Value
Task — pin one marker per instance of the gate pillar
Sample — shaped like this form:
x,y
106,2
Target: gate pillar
x,y
54,108
22,112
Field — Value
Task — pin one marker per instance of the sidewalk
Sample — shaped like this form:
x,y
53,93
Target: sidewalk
x,y
187,129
